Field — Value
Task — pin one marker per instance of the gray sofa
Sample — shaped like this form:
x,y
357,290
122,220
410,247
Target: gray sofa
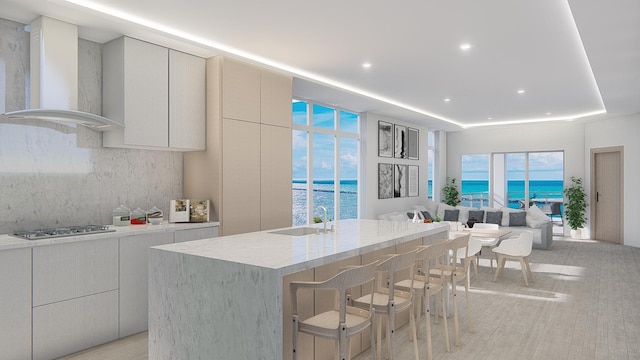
x,y
537,222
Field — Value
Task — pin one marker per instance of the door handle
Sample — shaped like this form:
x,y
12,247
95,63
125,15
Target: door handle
x,y
597,196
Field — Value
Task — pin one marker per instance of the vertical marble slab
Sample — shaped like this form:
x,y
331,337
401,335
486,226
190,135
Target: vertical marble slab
x,y
58,174
202,308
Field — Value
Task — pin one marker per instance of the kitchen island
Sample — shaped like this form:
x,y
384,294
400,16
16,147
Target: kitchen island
x,y
223,298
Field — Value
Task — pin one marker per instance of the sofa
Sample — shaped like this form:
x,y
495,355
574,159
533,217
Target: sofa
x,y
517,221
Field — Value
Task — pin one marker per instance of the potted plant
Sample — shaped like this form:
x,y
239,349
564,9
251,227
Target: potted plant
x,y
451,194
575,206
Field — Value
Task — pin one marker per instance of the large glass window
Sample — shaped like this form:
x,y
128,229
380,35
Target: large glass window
x,y
431,154
325,162
475,180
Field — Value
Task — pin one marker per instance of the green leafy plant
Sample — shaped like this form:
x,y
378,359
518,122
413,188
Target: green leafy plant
x,y
451,194
576,204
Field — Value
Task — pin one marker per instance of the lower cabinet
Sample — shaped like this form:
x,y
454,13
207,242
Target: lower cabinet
x,y
195,234
134,280
75,296
15,307
69,326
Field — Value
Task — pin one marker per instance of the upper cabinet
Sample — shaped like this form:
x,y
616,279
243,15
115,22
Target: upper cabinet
x,y
156,93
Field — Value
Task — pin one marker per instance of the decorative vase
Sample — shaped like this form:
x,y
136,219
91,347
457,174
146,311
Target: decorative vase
x,y
576,234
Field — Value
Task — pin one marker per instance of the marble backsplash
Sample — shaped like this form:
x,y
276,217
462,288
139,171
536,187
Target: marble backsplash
x,y
59,174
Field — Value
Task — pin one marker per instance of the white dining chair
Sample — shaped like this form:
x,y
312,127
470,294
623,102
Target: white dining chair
x,y
518,248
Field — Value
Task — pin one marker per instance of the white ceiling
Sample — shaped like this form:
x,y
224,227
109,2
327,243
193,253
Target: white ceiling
x,y
568,69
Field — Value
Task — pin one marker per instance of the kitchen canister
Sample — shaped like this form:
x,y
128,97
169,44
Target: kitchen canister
x,y
121,216
138,217
154,216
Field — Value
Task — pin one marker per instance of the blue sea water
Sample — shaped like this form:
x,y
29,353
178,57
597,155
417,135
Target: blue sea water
x,y
540,191
323,195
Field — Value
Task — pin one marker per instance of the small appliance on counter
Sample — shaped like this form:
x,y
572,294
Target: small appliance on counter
x,y
189,210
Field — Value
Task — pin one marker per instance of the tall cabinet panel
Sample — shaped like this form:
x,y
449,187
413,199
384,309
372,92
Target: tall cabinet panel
x,y
241,177
187,99
15,311
246,168
275,177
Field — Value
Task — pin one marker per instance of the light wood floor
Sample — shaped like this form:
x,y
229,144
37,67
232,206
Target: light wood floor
x,y
584,303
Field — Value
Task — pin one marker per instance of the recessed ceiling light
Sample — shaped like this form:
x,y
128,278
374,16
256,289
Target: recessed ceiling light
x,y
521,91
447,100
489,118
366,65
465,47
548,113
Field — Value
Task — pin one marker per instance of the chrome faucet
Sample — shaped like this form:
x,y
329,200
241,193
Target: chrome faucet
x,y
324,222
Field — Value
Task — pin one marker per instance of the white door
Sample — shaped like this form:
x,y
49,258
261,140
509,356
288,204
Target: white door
x,y
606,194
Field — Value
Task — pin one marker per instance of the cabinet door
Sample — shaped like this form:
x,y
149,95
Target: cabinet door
x,y
15,310
136,93
275,100
240,210
69,326
275,177
134,280
240,91
187,97
71,270
195,234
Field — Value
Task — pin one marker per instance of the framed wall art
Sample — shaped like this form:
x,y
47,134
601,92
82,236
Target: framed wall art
x,y
385,181
385,139
413,184
399,181
413,144
400,142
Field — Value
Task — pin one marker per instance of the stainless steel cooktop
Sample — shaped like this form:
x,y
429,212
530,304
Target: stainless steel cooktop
x,y
62,232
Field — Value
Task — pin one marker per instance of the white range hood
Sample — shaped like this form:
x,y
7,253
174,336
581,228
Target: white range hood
x,y
54,77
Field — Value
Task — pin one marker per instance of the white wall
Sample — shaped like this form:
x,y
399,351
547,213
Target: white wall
x,y
575,139
624,132
567,136
371,206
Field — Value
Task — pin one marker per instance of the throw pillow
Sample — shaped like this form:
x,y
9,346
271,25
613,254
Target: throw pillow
x,y
505,214
518,218
477,215
426,215
451,215
463,216
494,217
536,217
442,207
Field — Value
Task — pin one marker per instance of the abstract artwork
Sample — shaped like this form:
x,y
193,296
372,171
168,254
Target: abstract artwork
x,y
385,181
400,181
385,139
413,186
413,144
400,142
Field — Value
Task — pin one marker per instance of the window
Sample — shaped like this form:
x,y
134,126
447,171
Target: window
x,y
431,154
475,180
326,145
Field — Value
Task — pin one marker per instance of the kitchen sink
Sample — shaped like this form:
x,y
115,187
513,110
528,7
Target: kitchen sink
x,y
299,231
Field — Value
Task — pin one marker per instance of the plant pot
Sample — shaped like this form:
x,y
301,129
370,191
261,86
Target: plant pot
x,y
576,234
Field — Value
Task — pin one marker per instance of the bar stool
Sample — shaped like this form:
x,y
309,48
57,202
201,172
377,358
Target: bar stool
x,y
454,271
343,321
425,286
387,301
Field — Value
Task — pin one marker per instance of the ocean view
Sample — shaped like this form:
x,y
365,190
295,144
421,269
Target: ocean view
x,y
474,193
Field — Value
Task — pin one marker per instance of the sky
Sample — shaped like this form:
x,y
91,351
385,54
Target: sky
x,y
542,166
324,145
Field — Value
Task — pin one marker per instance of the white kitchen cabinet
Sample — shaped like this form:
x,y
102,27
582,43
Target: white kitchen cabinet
x,y
187,101
195,234
153,91
71,270
66,327
15,306
135,93
134,279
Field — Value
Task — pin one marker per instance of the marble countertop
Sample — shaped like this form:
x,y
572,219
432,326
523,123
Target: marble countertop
x,y
294,253
8,242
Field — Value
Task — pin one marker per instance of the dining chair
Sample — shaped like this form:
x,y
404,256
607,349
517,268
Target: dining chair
x,y
454,271
489,242
387,301
342,321
426,286
470,255
518,248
